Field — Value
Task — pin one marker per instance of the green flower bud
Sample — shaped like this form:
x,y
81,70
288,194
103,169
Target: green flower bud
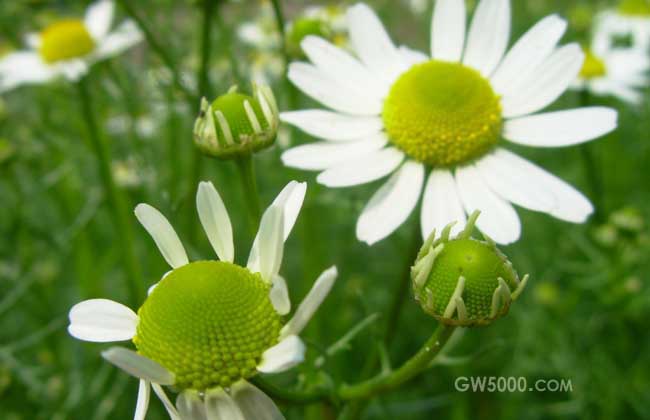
x,y
302,28
464,281
236,124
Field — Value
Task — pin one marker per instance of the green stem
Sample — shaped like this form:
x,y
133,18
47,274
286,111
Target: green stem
x,y
249,189
411,368
203,76
227,43
591,167
158,47
279,20
364,390
116,202
401,292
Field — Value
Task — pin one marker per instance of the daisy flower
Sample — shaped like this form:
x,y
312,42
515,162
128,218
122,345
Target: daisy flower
x,y
620,72
68,47
208,326
630,19
398,111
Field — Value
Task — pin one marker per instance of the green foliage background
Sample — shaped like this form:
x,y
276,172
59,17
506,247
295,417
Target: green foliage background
x,y
584,316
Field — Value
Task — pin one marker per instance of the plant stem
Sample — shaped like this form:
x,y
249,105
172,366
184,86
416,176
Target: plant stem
x,y
591,167
203,76
364,390
158,48
279,20
249,189
412,367
401,292
115,200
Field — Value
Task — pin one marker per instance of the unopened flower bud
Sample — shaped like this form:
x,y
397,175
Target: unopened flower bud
x,y
236,124
464,281
300,29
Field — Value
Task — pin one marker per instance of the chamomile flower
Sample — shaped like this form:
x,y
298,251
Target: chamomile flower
x,y
620,72
397,111
208,326
68,47
630,20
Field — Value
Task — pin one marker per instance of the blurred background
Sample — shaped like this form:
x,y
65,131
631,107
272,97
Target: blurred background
x,y
583,318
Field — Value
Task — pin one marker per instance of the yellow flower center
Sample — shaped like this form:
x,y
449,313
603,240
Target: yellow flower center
x,y
65,40
442,114
208,322
635,8
593,66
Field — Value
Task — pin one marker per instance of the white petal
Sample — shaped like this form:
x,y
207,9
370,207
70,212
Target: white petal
x,y
171,410
163,234
561,128
441,204
488,36
570,204
392,204
332,125
550,80
372,43
142,405
283,356
324,155
312,301
220,406
498,219
626,94
215,220
253,403
138,366
271,245
99,16
528,53
73,70
514,185
23,67
33,40
279,295
448,30
102,321
343,67
121,39
362,170
412,57
190,406
326,90
290,201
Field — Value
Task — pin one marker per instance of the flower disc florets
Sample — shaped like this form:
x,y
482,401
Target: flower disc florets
x,y
593,66
442,114
464,281
65,40
236,124
208,322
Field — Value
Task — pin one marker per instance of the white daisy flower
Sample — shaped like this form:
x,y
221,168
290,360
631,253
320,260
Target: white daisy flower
x,y
401,112
619,72
208,326
630,19
68,47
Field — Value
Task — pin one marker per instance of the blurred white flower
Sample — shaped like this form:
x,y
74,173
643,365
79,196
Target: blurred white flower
x,y
619,72
630,20
401,112
262,35
68,47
